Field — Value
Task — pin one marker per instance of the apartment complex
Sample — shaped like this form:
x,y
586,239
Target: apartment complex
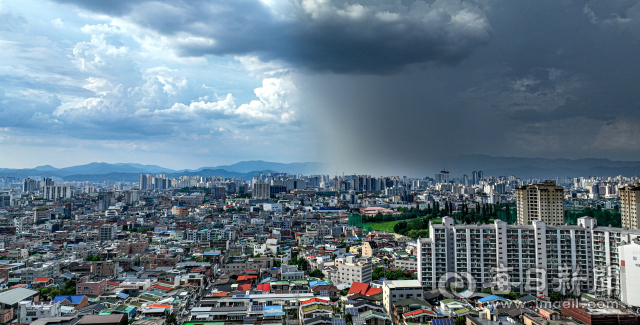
x,y
629,199
531,257
261,191
542,202
535,258
56,192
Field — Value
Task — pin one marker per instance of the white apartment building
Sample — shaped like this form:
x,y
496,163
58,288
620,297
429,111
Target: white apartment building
x,y
630,273
199,235
406,264
39,270
543,202
29,311
480,249
607,258
261,191
396,290
485,250
351,269
56,192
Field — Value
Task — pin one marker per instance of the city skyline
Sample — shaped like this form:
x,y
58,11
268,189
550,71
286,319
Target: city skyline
x,y
377,85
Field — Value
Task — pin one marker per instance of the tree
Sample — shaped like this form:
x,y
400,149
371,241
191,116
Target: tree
x,y
171,319
316,274
348,318
93,258
460,321
555,296
344,292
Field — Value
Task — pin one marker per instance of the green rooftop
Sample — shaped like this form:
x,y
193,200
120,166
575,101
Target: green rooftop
x,y
315,307
373,313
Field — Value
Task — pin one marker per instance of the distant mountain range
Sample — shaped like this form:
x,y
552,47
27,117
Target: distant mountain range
x,y
459,165
129,172
306,168
540,167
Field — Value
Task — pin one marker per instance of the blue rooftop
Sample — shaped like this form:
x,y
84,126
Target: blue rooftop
x,y
273,311
317,283
490,298
73,299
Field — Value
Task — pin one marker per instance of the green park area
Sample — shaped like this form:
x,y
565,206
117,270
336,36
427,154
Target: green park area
x,y
382,226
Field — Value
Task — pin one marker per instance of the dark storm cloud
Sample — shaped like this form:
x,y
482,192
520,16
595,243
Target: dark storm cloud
x,y
341,37
543,78
552,82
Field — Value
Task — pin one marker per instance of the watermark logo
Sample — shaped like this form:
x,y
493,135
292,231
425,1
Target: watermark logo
x,y
567,281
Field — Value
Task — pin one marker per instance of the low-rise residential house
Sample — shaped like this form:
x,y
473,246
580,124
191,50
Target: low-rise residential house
x,y
29,311
75,301
91,288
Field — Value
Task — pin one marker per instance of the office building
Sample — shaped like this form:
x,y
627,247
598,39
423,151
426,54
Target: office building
x,y
104,201
5,200
108,232
41,214
629,199
542,202
442,177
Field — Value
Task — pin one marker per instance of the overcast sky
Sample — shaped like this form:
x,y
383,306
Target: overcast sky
x,y
365,86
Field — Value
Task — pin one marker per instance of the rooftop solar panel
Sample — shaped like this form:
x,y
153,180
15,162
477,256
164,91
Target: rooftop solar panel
x,y
442,321
257,308
338,321
352,311
357,320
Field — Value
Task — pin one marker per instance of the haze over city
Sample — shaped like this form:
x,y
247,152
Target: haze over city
x,y
378,86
